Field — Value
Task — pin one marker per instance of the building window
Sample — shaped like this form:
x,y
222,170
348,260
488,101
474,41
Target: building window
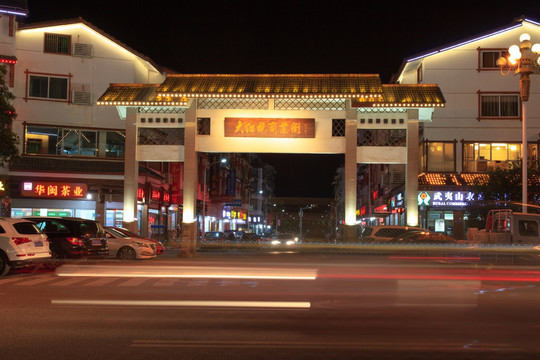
x,y
48,87
338,127
43,140
203,126
499,105
487,58
57,44
419,74
440,156
478,157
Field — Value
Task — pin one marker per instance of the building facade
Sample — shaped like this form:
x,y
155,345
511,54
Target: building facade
x,y
481,125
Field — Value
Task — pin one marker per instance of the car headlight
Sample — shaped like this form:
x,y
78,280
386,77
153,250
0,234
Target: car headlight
x,y
290,242
276,242
140,244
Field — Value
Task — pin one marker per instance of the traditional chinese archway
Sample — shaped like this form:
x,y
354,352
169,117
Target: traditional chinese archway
x,y
292,113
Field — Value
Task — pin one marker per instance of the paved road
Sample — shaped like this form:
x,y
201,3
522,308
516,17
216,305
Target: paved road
x,y
272,306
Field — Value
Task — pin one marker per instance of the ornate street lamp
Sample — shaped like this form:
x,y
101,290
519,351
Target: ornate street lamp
x,y
524,60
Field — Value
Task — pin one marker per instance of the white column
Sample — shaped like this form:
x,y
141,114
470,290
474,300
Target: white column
x,y
131,171
189,224
412,168
350,173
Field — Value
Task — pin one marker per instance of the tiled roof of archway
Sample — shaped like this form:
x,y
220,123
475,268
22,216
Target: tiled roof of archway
x,y
365,90
271,85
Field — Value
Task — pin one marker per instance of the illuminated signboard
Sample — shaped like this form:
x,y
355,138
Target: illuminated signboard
x,y
270,128
166,198
446,198
155,195
55,190
140,194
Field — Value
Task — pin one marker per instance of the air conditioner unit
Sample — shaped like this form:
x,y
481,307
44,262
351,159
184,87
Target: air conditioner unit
x,y
82,50
81,97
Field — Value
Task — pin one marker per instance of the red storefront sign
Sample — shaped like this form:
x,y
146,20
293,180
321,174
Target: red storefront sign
x,y
44,189
140,194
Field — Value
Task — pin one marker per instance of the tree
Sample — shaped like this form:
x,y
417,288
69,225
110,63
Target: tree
x,y
8,139
502,188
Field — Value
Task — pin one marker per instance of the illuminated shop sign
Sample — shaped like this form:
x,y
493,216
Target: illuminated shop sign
x,y
156,195
270,128
140,194
233,214
446,198
54,190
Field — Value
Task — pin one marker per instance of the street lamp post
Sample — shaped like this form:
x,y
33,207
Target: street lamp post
x,y
222,161
301,215
524,60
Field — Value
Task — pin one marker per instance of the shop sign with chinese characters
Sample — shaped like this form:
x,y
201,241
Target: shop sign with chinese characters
x,y
446,198
43,189
270,127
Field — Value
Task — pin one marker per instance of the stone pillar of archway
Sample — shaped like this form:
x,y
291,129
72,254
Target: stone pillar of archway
x,y
411,182
189,220
350,233
131,171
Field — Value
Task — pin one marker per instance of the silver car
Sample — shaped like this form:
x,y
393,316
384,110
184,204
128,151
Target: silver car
x,y
125,247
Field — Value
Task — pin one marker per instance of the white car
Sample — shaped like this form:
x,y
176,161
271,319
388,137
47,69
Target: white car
x,y
21,244
284,239
125,247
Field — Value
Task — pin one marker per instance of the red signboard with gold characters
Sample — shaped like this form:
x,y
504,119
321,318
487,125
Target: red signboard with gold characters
x,y
270,127
57,190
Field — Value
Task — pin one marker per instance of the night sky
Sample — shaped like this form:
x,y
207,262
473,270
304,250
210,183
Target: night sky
x,y
288,37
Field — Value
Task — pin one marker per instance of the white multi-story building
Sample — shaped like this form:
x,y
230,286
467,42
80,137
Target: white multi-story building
x,y
72,151
481,125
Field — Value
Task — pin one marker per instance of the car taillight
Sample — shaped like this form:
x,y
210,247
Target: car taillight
x,y
75,241
21,240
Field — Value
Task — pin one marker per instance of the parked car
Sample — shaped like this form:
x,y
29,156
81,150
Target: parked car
x,y
159,245
425,237
126,247
214,236
73,238
21,244
232,235
375,234
284,239
251,237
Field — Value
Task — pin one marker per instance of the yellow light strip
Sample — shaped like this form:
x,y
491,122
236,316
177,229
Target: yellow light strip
x,y
141,103
198,272
271,96
190,303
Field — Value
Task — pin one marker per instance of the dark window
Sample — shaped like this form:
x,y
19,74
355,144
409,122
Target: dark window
x,y
203,126
488,58
57,44
48,87
2,231
499,105
528,228
64,141
338,127
419,74
26,228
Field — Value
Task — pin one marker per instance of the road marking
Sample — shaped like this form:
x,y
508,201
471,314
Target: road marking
x,y
133,282
164,282
67,282
191,303
35,281
99,282
5,281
